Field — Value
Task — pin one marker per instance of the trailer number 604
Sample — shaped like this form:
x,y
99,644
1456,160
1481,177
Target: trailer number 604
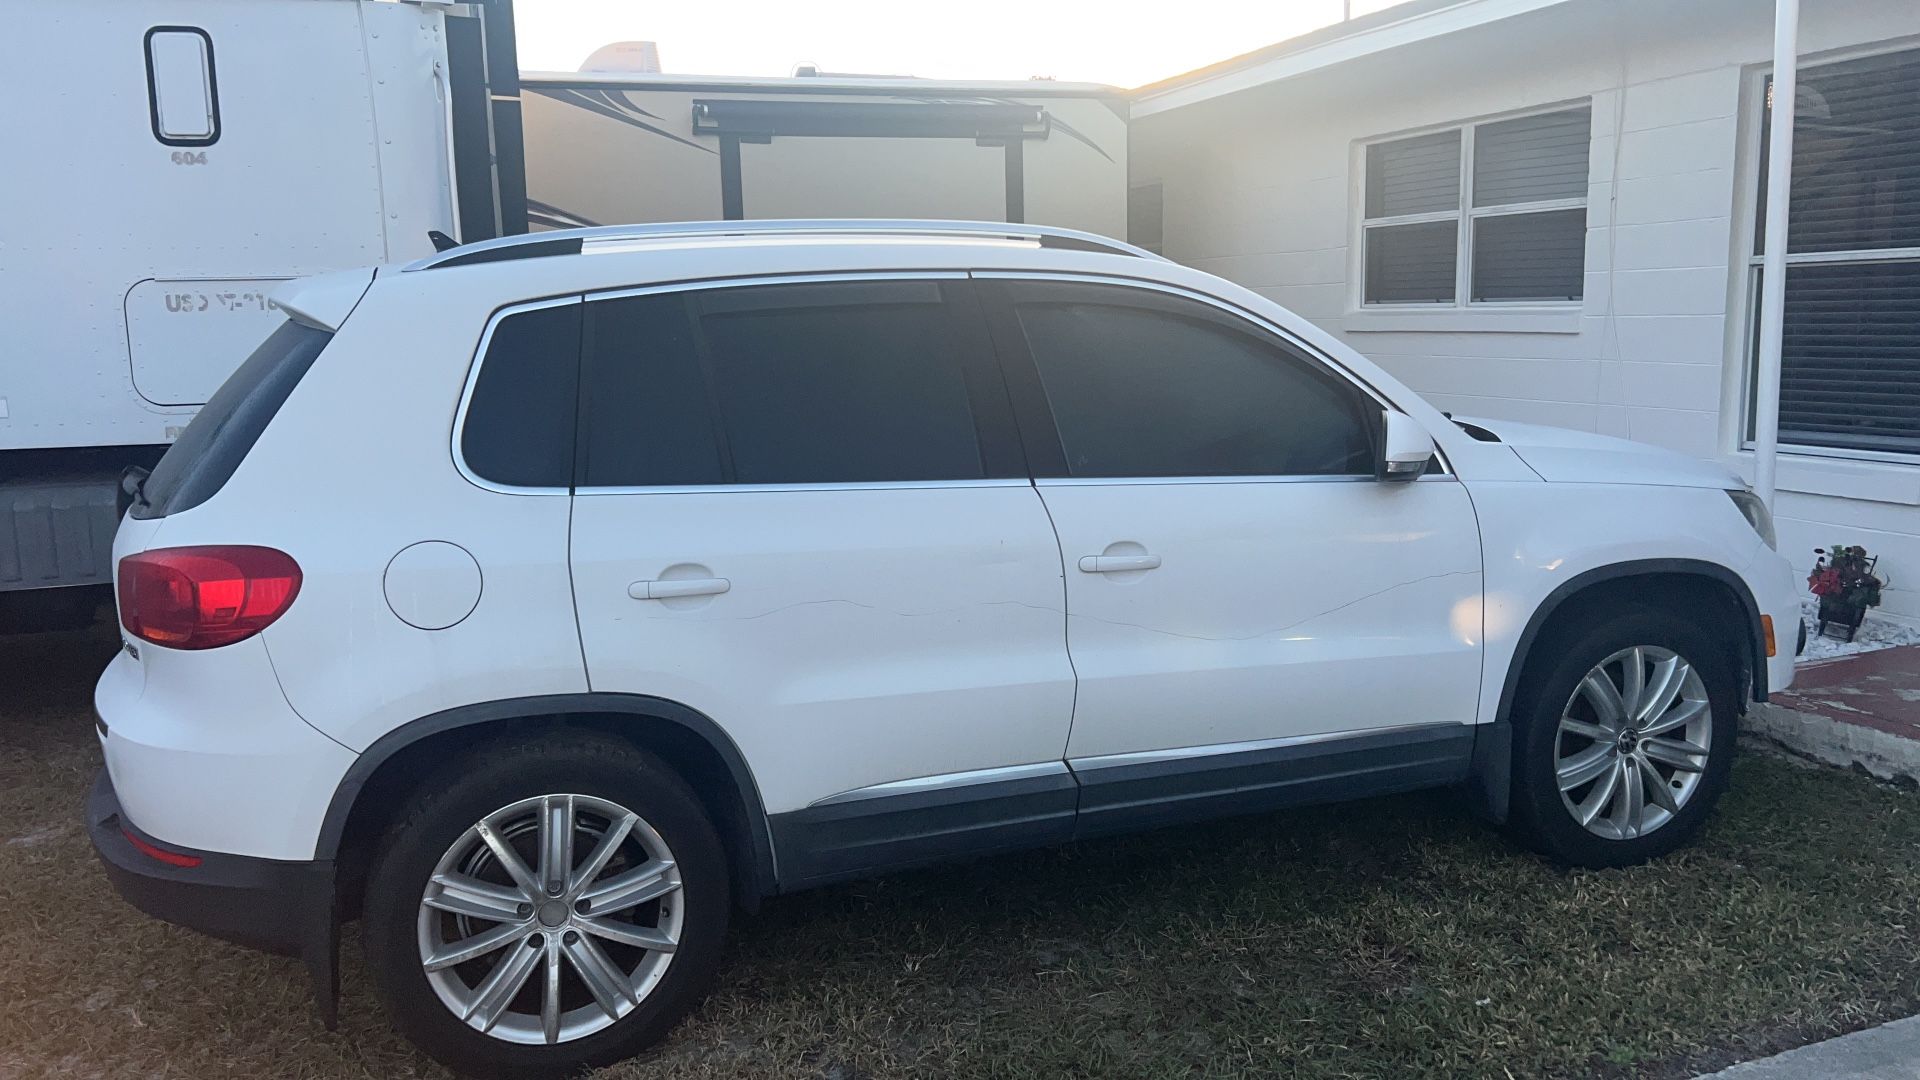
x,y
189,157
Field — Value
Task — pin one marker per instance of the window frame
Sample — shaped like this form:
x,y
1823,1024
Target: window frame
x,y
153,89
1748,210
1045,453
458,447
1463,217
1009,363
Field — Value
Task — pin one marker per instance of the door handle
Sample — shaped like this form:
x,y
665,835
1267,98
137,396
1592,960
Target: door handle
x,y
664,590
1114,564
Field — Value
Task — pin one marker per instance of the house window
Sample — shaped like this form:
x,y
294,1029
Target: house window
x,y
1493,212
1850,348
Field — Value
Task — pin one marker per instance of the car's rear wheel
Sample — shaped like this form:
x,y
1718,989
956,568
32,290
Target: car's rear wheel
x,y
546,906
1624,735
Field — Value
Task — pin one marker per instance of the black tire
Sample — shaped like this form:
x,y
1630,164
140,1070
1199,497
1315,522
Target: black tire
x,y
1558,663
476,785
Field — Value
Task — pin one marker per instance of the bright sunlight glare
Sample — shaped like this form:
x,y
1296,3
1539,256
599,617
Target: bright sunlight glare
x,y
1120,43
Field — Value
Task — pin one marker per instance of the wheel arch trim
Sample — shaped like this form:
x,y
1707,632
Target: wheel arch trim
x,y
759,859
1491,779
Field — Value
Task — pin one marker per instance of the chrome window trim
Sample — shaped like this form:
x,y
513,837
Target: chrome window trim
x,y
1000,482
1180,753
466,398
1290,478
849,485
1238,312
946,782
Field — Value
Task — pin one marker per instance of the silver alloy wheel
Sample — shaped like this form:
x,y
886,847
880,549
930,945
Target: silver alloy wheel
x,y
576,888
1633,742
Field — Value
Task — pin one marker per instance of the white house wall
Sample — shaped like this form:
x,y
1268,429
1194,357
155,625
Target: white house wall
x,y
1261,187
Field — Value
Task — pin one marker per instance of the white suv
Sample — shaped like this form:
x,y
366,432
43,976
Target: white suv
x,y
541,601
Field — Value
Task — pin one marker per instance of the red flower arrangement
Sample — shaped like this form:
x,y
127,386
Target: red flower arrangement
x,y
1844,580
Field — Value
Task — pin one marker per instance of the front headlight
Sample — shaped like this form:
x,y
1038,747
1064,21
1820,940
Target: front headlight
x,y
1756,513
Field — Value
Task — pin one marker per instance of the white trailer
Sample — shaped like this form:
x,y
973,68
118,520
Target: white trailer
x,y
624,148
215,148
180,158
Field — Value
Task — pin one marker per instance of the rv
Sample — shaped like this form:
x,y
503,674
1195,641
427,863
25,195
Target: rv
x,y
622,147
213,149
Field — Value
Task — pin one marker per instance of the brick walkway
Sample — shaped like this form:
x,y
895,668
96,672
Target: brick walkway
x,y
1879,689
1860,710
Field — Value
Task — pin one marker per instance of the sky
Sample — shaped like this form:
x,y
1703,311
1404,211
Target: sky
x,y
1119,42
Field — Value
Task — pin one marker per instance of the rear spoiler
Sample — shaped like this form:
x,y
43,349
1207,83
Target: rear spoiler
x,y
325,300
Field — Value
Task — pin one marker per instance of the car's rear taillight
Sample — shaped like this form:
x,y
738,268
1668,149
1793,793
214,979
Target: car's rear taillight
x,y
205,597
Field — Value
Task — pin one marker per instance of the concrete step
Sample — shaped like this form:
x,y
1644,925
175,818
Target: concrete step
x,y
1859,710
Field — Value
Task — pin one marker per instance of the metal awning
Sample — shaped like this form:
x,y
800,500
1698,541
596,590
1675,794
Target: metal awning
x,y
1004,124
755,121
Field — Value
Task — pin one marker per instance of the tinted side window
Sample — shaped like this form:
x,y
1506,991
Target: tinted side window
x,y
520,423
1148,386
840,382
831,382
649,416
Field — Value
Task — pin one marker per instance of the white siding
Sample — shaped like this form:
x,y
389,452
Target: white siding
x,y
1261,187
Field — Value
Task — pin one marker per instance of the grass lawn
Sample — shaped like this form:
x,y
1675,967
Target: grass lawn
x,y
1390,938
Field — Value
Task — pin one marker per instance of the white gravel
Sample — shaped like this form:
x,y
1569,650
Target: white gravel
x,y
1878,632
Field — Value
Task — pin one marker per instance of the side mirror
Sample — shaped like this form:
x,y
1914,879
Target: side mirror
x,y
1406,450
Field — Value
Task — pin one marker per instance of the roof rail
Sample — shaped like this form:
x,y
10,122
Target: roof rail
x,y
574,241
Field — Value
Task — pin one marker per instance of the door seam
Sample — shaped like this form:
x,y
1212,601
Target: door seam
x,y
1066,620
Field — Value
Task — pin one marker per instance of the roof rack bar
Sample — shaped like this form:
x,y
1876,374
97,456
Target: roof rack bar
x,y
560,241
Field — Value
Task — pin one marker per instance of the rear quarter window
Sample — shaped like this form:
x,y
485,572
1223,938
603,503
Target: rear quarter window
x,y
220,436
518,430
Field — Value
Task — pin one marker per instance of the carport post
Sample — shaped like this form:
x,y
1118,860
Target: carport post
x,y
1773,261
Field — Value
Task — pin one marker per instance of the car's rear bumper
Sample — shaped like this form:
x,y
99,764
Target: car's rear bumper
x,y
281,907
260,903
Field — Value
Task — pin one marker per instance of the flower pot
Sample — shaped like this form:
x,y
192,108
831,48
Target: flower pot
x,y
1841,614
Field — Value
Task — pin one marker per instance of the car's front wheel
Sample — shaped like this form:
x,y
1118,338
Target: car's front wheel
x,y
1624,734
546,906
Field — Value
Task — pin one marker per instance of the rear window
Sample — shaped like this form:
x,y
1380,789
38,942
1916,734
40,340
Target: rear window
x,y
199,463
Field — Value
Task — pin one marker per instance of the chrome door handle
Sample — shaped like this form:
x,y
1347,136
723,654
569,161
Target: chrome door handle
x,y
663,590
1113,564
